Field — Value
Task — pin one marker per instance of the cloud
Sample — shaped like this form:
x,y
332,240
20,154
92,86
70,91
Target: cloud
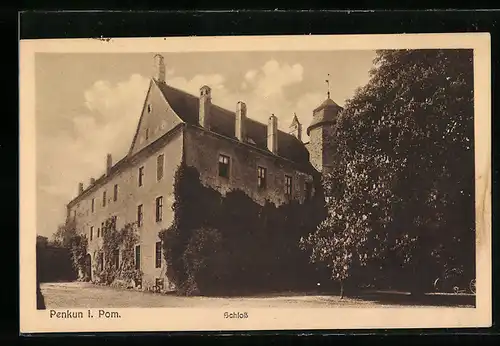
x,y
273,77
106,126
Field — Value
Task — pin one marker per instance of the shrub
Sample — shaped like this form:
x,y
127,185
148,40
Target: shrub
x,y
204,261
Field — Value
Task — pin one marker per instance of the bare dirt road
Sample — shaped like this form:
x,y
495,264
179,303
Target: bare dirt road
x,y
86,295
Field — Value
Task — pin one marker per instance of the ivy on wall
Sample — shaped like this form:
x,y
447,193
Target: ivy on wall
x,y
114,263
222,244
78,251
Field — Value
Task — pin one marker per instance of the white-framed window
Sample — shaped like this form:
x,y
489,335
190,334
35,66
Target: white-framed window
x,y
224,166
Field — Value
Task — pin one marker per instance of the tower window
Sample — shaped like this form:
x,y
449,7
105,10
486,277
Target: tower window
x,y
147,134
150,108
223,166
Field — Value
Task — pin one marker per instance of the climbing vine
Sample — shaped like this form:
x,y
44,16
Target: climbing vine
x,y
78,251
114,262
212,243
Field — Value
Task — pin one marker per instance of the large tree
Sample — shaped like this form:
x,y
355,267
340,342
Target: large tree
x,y
64,234
400,196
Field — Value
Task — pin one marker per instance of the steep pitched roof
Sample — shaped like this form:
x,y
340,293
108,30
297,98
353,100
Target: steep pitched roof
x,y
295,120
223,122
328,116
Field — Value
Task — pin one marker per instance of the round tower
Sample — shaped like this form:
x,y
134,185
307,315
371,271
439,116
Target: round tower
x,y
320,132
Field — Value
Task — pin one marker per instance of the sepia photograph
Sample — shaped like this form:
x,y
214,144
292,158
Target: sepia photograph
x,y
236,175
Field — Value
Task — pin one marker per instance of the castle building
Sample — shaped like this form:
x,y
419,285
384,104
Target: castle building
x,y
229,149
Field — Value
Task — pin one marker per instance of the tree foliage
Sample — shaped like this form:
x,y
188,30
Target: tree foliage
x,y
401,192
64,234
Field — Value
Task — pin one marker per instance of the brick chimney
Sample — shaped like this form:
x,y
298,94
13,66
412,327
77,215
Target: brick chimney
x,y
240,122
205,104
272,134
159,68
109,163
80,188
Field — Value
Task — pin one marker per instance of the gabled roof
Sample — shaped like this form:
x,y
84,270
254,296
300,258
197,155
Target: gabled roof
x,y
186,106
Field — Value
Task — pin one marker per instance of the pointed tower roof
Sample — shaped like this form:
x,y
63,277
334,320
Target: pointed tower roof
x,y
325,113
327,103
295,120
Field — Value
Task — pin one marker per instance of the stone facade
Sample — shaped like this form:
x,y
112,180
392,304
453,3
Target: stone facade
x,y
130,195
203,148
265,163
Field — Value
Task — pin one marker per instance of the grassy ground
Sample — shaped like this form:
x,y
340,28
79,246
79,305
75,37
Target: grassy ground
x,y
86,295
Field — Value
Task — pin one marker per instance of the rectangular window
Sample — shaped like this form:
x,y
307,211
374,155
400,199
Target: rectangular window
x,y
138,257
104,198
91,232
223,166
93,204
101,262
159,167
308,191
141,175
261,177
158,255
159,209
139,215
288,185
115,193
98,232
115,220
147,134
74,215
102,229
116,258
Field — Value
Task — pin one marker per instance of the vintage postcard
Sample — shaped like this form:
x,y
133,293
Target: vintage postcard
x,y
255,183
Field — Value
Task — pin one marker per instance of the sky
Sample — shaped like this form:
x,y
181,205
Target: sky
x,y
88,104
